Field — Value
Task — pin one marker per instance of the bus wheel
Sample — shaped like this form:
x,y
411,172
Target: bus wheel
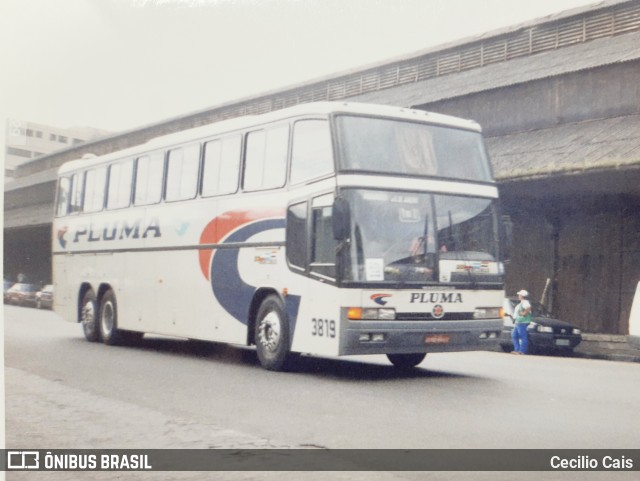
x,y
109,319
272,334
406,361
89,317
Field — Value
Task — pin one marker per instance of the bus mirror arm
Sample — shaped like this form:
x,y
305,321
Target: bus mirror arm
x,y
341,219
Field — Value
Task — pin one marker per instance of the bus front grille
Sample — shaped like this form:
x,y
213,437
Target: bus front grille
x,y
428,316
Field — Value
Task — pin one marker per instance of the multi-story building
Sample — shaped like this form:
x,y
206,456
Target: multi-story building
x,y
28,140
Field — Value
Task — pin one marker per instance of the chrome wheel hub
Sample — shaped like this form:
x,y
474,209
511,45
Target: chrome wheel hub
x,y
108,317
88,314
269,331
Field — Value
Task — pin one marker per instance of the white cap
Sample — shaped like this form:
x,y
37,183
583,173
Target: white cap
x,y
522,293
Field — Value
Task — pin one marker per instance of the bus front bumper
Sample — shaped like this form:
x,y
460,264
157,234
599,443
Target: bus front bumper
x,y
405,337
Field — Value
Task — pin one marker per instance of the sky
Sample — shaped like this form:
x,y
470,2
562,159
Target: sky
x,y
120,64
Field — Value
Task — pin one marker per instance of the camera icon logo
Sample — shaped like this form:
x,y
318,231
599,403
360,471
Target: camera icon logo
x,y
23,460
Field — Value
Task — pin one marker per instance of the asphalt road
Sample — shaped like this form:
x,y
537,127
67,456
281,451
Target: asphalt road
x,y
173,393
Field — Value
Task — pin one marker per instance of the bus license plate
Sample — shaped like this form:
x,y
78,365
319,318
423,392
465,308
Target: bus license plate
x,y
562,342
437,339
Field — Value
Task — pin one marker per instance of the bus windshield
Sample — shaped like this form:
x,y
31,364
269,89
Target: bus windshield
x,y
420,237
402,147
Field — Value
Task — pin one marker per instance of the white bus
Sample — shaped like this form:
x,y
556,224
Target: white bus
x,y
327,228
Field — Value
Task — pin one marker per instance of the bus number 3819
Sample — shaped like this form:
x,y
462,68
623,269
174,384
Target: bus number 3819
x,y
323,328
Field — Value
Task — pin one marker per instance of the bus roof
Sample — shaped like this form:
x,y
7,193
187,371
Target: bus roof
x,y
248,121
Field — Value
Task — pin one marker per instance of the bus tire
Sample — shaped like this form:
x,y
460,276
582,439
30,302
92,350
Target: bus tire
x,y
406,361
108,320
272,334
89,317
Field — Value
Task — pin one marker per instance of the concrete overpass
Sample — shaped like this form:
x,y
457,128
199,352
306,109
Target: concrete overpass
x,y
559,101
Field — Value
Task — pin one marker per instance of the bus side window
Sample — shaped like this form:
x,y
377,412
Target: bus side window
x,y
149,175
120,179
312,153
323,245
221,166
64,190
77,191
296,243
95,185
182,173
266,158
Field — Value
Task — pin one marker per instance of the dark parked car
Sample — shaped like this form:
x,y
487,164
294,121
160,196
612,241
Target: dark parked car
x,y
22,294
44,297
546,334
7,286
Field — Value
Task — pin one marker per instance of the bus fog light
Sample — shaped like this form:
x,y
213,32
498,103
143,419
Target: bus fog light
x,y
489,335
364,337
487,313
377,337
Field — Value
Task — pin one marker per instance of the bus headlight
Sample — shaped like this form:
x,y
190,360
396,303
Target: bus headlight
x,y
487,313
371,313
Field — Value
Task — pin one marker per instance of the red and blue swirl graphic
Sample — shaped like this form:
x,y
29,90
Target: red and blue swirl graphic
x,y
380,298
220,265
61,237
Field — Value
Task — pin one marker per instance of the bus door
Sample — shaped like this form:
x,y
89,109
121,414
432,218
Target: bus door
x,y
318,323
